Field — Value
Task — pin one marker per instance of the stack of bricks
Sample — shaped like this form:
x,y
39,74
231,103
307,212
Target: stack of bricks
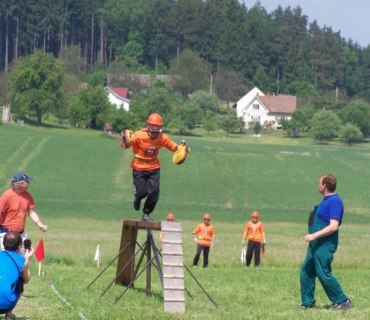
x,y
173,267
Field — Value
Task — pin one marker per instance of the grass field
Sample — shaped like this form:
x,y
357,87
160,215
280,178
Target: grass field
x,y
83,191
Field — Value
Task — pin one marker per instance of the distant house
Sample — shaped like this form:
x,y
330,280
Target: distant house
x,y
119,97
266,109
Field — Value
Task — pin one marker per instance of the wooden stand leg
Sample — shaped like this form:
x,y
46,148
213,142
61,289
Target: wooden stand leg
x,y
149,265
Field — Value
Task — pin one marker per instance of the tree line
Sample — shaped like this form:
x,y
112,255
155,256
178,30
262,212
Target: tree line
x,y
38,88
55,58
278,51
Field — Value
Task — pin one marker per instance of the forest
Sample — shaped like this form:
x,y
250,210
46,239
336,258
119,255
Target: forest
x,y
272,50
57,56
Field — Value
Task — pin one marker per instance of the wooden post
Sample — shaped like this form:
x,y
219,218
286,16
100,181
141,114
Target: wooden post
x,y
129,235
149,265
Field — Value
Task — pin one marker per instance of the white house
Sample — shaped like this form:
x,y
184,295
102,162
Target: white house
x,y
119,97
267,109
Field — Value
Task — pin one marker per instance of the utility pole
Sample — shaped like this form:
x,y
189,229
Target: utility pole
x,y
178,52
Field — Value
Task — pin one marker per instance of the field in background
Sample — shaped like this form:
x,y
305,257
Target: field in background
x,y
83,191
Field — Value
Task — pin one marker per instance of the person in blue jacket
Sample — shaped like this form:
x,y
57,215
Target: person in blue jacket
x,y
14,272
322,239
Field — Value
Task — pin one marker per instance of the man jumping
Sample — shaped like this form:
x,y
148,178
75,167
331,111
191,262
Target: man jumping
x,y
146,144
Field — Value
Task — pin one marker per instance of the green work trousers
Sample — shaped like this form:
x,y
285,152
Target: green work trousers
x,y
318,262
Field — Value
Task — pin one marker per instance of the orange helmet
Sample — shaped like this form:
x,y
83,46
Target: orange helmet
x,y
207,216
170,217
154,119
255,214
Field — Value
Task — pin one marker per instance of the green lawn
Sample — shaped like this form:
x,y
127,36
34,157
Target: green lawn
x,y
83,191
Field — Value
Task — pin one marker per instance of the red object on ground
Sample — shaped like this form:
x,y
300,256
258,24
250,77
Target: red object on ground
x,y
39,252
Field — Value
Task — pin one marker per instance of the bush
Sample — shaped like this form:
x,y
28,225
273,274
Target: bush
x,y
122,119
257,128
325,125
351,133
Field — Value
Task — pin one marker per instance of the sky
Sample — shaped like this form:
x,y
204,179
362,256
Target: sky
x,y
350,17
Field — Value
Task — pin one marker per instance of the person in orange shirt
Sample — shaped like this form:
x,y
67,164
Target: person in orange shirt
x,y
204,237
15,204
255,235
146,144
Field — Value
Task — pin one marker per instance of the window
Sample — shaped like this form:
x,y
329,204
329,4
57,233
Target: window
x,y
256,107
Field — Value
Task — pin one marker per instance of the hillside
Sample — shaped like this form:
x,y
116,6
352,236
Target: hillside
x,y
83,190
82,172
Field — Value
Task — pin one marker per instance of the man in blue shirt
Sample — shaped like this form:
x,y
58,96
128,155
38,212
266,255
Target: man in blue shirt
x,y
14,272
323,231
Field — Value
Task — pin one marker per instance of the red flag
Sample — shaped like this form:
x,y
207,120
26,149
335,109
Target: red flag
x,y
39,252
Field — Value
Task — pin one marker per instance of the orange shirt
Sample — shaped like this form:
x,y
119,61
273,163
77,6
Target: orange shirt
x,y
254,231
146,149
206,234
13,209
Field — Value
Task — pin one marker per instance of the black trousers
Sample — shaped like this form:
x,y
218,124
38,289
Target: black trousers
x,y
205,250
253,246
147,185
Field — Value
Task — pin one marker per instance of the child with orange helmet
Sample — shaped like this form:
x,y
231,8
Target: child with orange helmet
x,y
170,218
204,237
146,144
255,234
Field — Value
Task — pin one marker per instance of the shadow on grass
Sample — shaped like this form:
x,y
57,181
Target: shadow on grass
x,y
60,260
156,295
32,122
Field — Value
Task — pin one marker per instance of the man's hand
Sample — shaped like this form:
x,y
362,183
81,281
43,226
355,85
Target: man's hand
x,y
28,253
195,240
243,243
42,227
183,143
309,237
36,219
328,230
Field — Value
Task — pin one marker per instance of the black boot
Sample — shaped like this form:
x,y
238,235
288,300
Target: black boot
x,y
146,217
137,202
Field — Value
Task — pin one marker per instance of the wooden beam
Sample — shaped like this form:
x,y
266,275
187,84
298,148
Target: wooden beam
x,y
140,224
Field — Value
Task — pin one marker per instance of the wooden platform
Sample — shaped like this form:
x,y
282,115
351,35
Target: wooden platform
x,y
172,260
140,224
129,235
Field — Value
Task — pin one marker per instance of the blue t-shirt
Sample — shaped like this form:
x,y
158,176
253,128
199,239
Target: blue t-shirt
x,y
331,207
9,276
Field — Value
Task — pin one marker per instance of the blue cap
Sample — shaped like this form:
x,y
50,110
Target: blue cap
x,y
21,176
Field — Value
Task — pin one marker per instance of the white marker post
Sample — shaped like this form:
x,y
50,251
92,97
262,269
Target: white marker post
x,y
97,255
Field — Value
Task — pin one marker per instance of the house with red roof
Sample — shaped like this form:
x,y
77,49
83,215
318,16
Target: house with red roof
x,y
119,96
266,109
